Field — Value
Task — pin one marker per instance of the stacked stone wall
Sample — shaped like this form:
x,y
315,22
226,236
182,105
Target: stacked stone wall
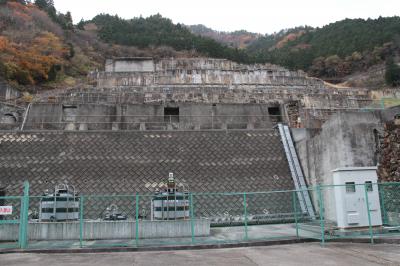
x,y
389,168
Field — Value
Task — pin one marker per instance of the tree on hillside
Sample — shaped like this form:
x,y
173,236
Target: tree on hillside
x,y
23,2
44,4
64,20
392,75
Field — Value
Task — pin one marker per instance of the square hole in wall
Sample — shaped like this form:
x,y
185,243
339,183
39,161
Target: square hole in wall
x,y
275,113
171,114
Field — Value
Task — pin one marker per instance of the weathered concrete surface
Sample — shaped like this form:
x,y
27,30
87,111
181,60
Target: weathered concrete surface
x,y
129,64
348,139
296,254
7,92
137,72
93,230
90,116
11,116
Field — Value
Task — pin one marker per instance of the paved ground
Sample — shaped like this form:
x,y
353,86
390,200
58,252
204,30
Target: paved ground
x,y
295,254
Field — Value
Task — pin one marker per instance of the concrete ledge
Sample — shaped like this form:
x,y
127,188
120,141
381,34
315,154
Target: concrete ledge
x,y
104,230
164,248
199,246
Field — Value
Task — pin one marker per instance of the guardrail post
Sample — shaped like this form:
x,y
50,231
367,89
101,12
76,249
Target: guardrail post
x,y
23,224
371,233
137,219
246,236
321,214
191,217
295,213
81,221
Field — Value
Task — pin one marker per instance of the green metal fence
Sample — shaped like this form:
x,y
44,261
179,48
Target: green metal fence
x,y
200,218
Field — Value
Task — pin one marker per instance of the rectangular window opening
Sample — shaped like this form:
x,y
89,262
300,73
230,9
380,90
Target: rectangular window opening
x,y
368,186
171,114
350,187
275,113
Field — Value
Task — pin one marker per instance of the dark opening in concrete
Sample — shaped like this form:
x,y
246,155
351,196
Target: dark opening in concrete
x,y
275,114
8,118
171,114
69,112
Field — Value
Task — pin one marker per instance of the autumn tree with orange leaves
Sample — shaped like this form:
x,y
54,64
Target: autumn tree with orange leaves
x,y
29,58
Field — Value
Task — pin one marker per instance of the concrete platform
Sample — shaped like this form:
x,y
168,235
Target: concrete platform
x,y
296,254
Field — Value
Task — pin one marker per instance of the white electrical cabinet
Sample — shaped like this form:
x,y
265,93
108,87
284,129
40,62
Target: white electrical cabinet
x,y
353,185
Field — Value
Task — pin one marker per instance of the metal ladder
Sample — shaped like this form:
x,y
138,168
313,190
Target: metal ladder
x,y
296,172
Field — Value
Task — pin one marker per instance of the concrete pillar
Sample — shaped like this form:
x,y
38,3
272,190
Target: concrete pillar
x,y
83,127
250,125
115,126
70,127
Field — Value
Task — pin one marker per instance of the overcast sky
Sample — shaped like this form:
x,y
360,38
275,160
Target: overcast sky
x,y
262,16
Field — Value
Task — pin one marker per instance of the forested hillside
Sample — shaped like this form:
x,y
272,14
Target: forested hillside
x,y
159,31
42,47
236,39
331,52
336,50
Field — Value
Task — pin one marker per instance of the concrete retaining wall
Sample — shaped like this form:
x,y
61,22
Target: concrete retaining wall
x,y
144,72
346,140
95,230
149,116
7,92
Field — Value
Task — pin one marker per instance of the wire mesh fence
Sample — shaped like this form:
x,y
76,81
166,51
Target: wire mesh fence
x,y
68,220
10,217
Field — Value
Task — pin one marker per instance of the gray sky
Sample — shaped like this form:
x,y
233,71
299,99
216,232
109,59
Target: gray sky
x,y
261,16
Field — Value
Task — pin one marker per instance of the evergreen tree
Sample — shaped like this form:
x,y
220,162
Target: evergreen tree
x,y
392,75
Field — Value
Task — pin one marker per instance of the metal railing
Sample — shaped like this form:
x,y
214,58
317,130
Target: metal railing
x,y
129,220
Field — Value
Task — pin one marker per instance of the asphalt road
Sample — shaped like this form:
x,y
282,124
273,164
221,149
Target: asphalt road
x,y
295,254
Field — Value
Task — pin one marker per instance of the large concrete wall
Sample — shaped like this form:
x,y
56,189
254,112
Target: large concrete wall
x,y
129,65
184,76
348,139
148,116
135,72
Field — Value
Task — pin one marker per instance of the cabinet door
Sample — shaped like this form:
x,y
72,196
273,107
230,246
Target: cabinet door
x,y
353,204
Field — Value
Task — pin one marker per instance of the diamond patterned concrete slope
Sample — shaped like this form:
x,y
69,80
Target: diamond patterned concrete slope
x,y
129,162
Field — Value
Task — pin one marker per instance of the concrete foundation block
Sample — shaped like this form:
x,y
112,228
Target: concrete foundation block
x,y
98,230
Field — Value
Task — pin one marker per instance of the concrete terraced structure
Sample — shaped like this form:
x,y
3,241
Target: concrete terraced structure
x,y
200,71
